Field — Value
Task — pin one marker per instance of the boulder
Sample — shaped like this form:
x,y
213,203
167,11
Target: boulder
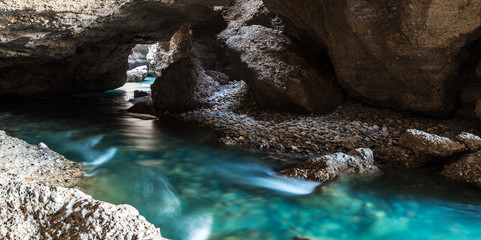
x,y
140,93
183,86
472,141
401,157
137,74
466,170
399,54
161,55
430,144
83,46
326,168
280,77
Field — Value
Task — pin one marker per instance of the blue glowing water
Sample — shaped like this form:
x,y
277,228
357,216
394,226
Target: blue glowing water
x,y
184,183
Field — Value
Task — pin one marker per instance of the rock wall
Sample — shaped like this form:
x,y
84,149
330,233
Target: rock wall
x,y
82,46
401,54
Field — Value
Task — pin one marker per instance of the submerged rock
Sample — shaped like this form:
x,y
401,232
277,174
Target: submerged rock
x,y
137,74
401,157
400,54
472,141
326,168
430,144
183,86
279,75
466,170
219,77
140,93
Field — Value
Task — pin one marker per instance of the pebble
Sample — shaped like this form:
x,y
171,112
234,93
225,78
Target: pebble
x,y
255,128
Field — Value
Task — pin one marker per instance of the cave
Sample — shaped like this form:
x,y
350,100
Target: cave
x,y
240,119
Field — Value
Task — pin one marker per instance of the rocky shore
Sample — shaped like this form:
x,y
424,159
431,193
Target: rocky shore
x,y
395,139
38,201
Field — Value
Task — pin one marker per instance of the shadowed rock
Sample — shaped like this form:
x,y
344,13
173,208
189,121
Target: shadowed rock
x,y
401,157
182,87
401,54
278,74
430,144
472,141
326,168
83,46
466,170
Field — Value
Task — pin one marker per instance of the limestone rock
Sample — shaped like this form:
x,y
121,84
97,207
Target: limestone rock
x,y
278,74
401,157
33,205
400,54
472,141
326,168
161,55
466,170
31,211
430,144
183,86
82,46
219,77
137,74
138,57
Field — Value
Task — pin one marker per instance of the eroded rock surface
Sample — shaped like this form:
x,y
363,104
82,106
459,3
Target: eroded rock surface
x,y
278,74
430,144
183,86
472,141
326,168
83,46
400,54
466,170
401,157
33,205
137,74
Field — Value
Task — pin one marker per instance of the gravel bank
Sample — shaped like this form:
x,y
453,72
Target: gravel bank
x,y
35,203
352,125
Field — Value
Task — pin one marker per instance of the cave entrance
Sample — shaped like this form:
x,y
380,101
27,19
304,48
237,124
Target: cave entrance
x,y
139,64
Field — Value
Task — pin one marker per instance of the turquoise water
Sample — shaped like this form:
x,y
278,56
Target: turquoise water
x,y
184,183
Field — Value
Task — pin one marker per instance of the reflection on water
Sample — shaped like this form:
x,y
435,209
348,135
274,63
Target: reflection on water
x,y
180,180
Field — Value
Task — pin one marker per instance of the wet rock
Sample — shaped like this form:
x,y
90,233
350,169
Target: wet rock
x,y
143,107
401,157
82,46
183,86
219,77
140,93
278,75
326,168
472,141
430,144
137,74
466,170
377,46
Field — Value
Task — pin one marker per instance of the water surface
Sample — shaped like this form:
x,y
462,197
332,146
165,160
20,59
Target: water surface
x,y
184,183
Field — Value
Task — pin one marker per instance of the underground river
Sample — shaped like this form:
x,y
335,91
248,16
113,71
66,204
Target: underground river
x,y
182,181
